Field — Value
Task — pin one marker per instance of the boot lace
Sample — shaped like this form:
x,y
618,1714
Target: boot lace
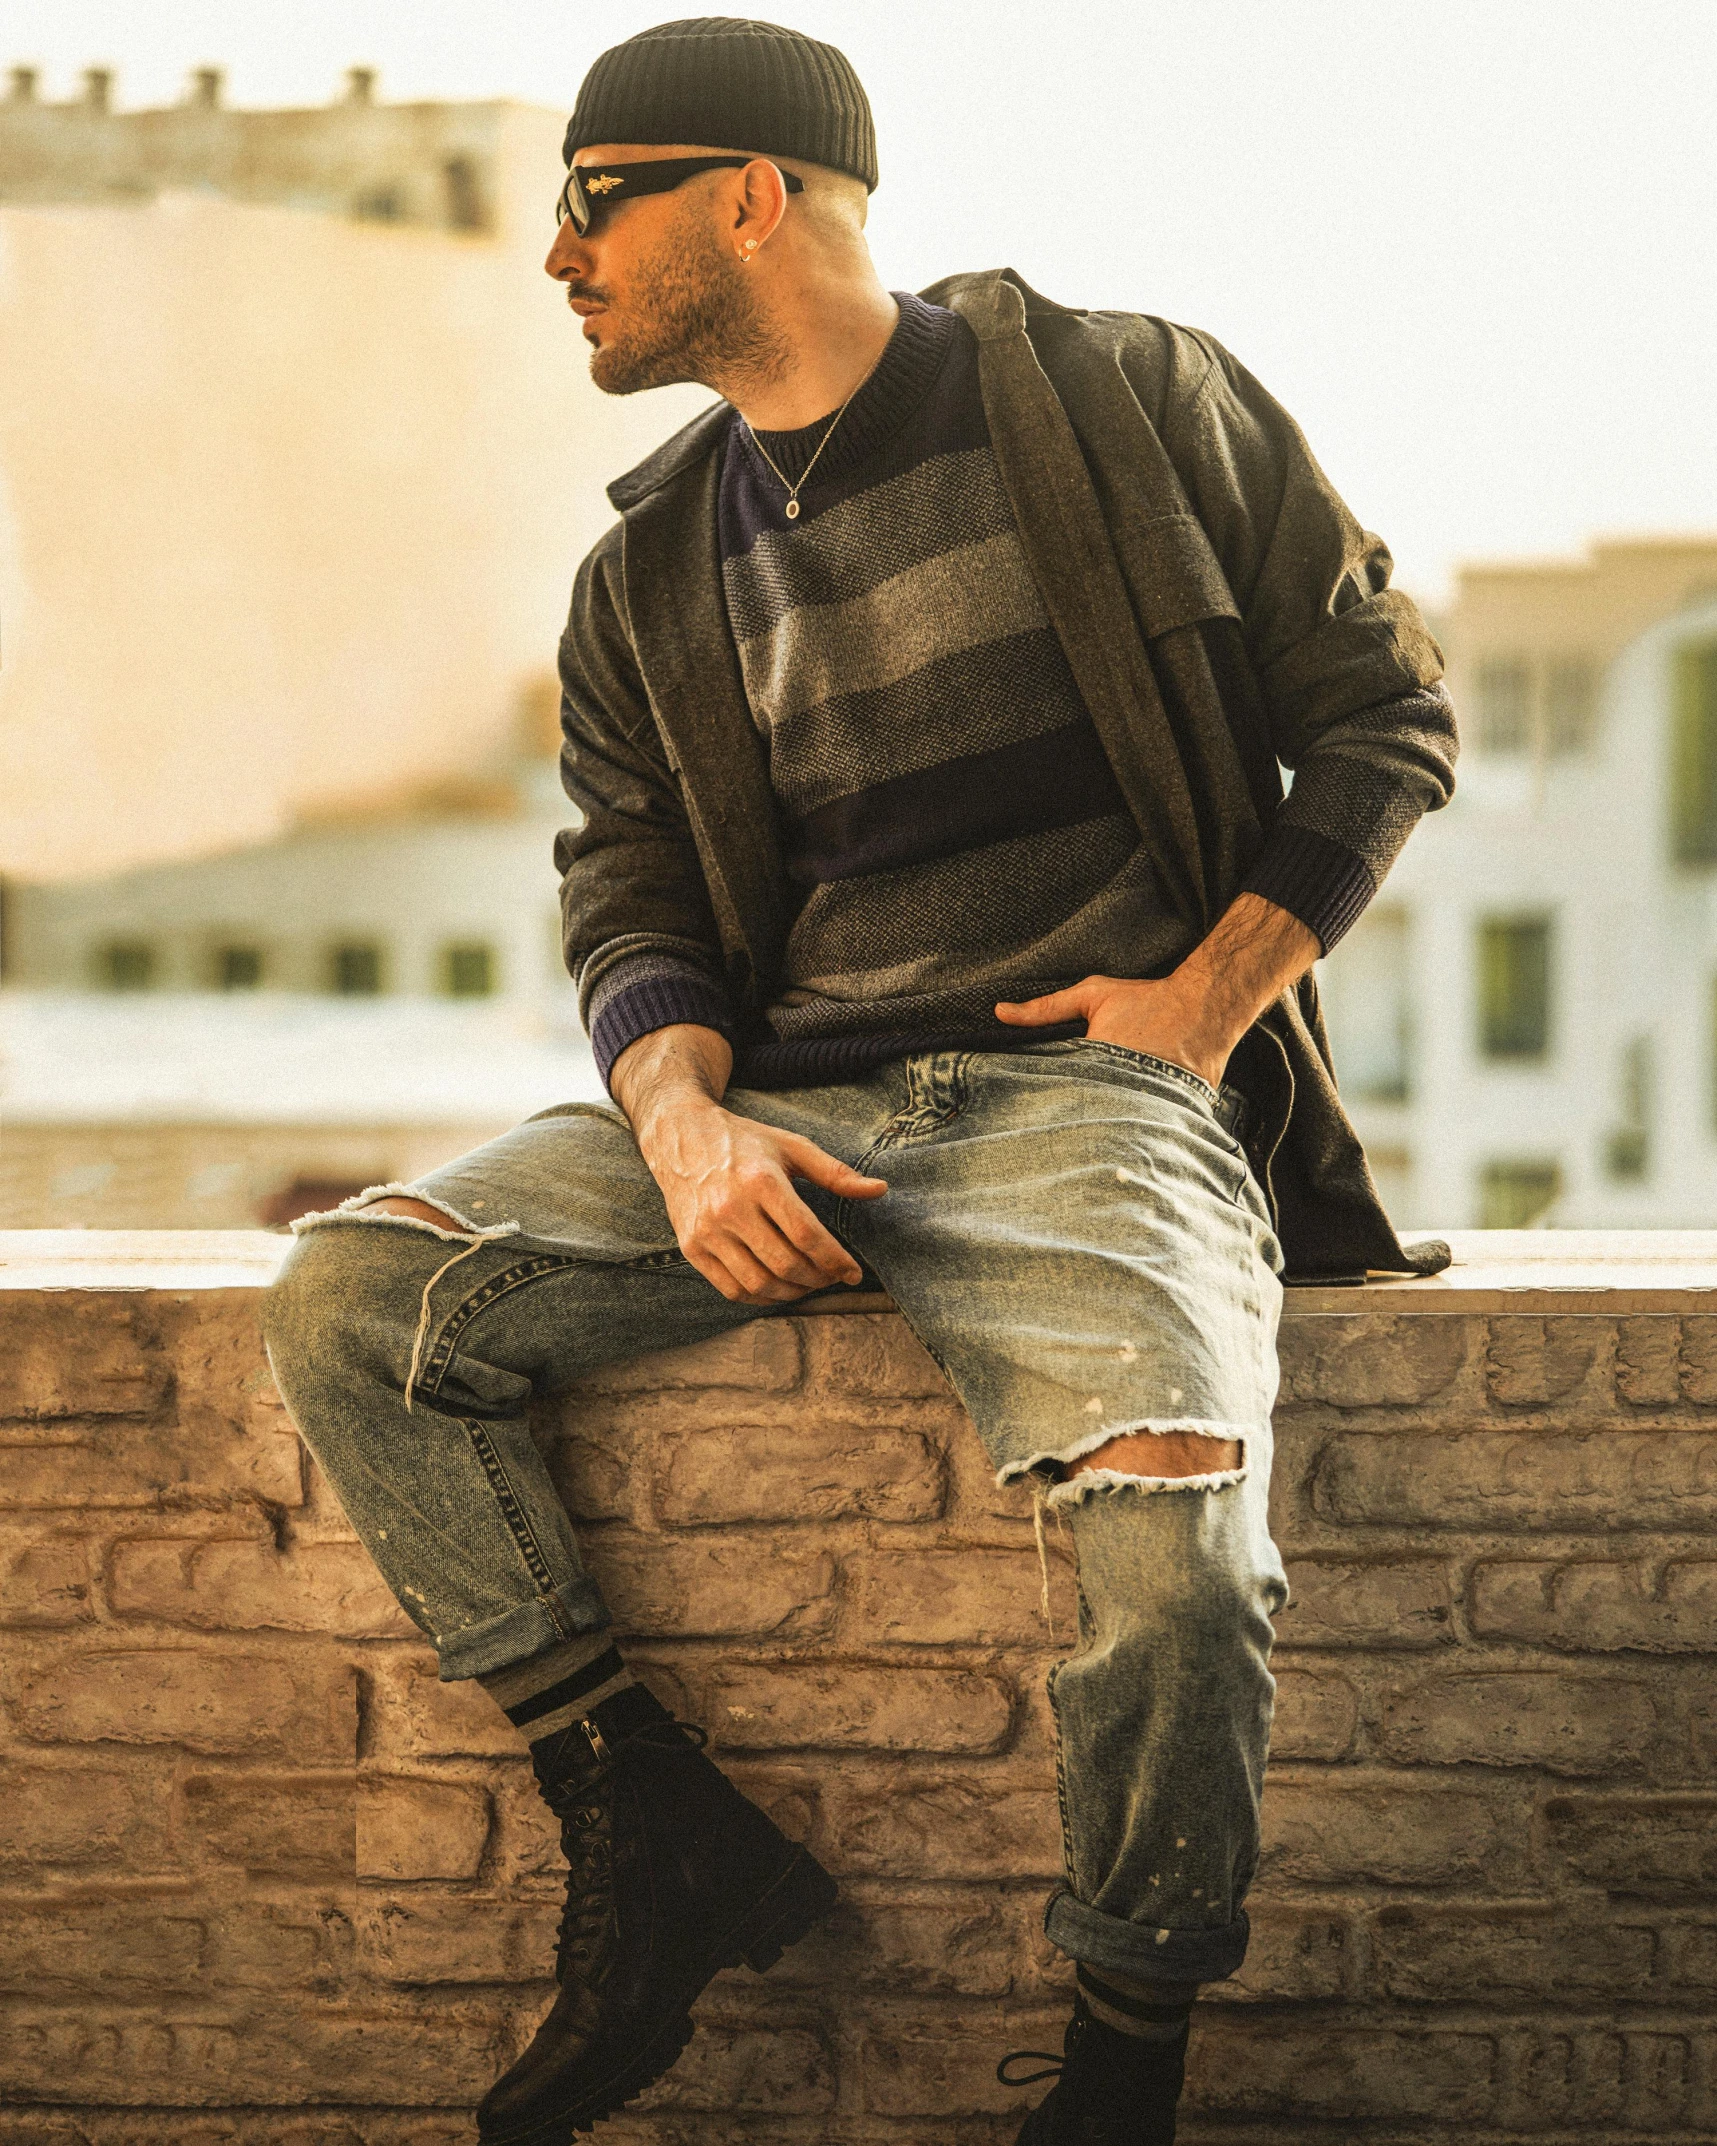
x,y
585,1810
1052,2066
1054,2062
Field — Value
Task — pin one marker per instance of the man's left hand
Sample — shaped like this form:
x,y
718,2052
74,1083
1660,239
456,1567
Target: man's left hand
x,y
1196,1016
1162,1018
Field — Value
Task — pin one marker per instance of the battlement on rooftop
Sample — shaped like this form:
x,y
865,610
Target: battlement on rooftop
x,y
428,163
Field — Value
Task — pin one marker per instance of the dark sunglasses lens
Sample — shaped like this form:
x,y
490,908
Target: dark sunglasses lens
x,y
573,202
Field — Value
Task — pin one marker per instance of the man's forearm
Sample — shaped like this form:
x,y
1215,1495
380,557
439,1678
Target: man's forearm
x,y
1243,964
669,1069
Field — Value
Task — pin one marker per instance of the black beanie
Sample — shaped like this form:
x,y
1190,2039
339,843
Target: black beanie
x,y
733,84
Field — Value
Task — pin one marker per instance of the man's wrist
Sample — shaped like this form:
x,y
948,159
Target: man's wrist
x,y
668,1111
1254,952
667,1076
1206,1027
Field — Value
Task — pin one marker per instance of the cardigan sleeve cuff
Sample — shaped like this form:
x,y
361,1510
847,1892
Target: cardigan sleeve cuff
x,y
1319,881
660,997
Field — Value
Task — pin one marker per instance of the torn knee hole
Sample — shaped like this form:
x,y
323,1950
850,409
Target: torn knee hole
x,y
415,1211
1161,1456
400,1207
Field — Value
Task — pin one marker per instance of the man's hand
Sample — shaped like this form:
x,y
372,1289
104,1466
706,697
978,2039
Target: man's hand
x,y
1195,1016
1158,1016
726,1179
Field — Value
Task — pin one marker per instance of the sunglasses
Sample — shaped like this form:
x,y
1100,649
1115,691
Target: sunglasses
x,y
659,175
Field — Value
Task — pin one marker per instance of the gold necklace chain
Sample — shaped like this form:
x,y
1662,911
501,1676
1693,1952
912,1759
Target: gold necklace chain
x,y
793,490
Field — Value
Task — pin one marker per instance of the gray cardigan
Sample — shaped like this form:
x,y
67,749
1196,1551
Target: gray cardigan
x,y
1223,614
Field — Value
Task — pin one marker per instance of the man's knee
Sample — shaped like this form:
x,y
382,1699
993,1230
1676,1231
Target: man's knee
x,y
1166,1549
344,1293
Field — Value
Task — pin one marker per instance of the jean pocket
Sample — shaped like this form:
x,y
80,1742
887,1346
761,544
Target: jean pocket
x,y
1149,1062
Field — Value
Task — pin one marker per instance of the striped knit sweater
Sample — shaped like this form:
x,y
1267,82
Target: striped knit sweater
x,y
947,807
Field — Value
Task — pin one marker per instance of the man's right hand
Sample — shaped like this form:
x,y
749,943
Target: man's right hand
x,y
727,1180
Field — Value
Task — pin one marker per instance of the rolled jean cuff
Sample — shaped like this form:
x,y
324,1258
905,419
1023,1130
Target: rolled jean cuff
x,y
1141,1949
518,1634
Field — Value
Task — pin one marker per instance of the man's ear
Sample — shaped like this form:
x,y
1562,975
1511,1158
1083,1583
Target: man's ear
x,y
762,204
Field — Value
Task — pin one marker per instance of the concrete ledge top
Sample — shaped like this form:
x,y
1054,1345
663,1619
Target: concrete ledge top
x,y
1613,1271
140,1258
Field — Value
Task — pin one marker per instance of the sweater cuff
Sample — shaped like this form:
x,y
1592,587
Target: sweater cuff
x,y
656,1001
1319,881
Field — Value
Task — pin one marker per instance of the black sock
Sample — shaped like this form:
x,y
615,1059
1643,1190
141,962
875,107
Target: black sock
x,y
545,1696
1149,2011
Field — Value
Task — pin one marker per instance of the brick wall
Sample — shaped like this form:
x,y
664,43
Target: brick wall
x,y
265,1879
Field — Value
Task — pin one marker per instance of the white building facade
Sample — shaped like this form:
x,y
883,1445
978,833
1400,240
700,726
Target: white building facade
x,y
238,1039
1524,1024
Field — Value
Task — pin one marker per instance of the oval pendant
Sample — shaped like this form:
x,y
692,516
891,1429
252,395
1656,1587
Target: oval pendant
x,y
792,510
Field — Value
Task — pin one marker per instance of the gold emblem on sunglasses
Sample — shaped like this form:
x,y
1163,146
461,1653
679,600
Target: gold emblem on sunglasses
x,y
604,183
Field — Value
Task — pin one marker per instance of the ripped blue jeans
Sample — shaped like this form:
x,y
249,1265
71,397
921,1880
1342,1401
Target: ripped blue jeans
x,y
1071,1229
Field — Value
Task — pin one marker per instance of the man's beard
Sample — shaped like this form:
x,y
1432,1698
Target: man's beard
x,y
695,317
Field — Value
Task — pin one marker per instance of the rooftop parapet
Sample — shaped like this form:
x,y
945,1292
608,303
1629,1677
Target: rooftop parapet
x,y
267,1867
424,164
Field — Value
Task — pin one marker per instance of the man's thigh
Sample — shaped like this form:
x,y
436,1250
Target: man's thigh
x,y
571,1177
560,1254
554,1255
1076,1236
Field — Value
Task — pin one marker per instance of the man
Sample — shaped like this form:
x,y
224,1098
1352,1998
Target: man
x,y
936,911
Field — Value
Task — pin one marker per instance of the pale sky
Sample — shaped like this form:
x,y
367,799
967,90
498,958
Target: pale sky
x,y
1469,243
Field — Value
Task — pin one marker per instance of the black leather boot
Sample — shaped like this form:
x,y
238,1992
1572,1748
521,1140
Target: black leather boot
x,y
672,1876
1113,2090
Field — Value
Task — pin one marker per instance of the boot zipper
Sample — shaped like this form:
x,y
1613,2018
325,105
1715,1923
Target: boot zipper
x,y
594,1734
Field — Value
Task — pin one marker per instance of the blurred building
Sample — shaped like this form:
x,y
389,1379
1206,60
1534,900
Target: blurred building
x,y
435,889
237,1039
1525,1022
298,455
181,1112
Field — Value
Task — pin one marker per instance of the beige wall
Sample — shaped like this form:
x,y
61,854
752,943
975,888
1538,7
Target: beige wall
x,y
289,505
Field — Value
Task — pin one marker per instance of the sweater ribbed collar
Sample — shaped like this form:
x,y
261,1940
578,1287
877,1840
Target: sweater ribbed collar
x,y
908,366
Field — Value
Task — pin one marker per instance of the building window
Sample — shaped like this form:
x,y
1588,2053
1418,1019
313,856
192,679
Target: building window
x,y
1550,711
1518,1195
355,969
238,968
1504,706
468,971
1368,1004
1514,987
1570,706
125,965
1714,1055
464,200
1627,1145
381,205
1693,759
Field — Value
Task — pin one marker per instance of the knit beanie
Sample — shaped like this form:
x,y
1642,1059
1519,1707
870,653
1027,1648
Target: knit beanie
x,y
734,85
